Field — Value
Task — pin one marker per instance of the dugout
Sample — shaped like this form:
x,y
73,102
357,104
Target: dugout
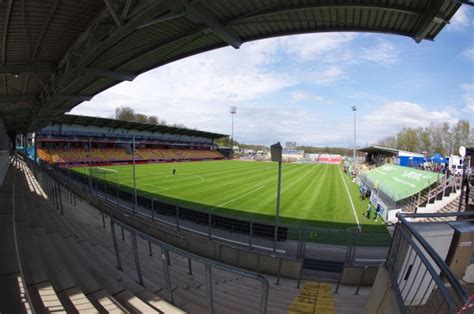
x,y
394,187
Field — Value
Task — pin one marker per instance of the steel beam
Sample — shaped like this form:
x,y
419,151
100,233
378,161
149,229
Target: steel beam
x,y
162,18
74,97
278,9
111,74
19,98
196,11
112,12
19,68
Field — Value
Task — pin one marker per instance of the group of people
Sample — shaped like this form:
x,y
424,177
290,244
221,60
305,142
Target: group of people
x,y
376,213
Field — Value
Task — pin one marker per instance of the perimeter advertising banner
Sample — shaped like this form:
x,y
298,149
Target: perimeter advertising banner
x,y
399,182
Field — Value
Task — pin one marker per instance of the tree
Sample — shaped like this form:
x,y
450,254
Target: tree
x,y
440,138
128,114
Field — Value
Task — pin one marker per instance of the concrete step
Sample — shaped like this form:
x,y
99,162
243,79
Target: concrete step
x,y
107,302
79,300
49,298
134,303
12,298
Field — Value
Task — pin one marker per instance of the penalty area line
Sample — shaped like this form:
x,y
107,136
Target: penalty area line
x,y
350,199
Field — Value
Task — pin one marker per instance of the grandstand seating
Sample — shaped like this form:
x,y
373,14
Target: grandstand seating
x,y
69,265
74,155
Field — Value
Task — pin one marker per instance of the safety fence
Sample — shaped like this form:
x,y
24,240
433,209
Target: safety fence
x,y
298,242
423,282
59,191
165,250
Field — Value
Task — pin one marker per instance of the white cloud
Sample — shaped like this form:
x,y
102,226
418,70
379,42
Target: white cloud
x,y
462,19
468,53
329,75
468,96
383,53
390,118
310,46
302,95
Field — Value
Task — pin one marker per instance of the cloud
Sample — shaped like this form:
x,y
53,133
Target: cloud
x,y
383,53
388,119
303,96
311,46
468,53
468,96
462,19
326,76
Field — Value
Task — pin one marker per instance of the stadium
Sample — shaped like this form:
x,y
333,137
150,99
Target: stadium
x,y
114,215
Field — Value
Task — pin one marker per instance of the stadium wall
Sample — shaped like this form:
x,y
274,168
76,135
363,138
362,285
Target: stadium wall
x,y
104,131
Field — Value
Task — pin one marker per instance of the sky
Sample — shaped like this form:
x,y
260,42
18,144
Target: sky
x,y
301,88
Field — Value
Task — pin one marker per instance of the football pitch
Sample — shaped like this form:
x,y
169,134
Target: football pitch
x,y
311,194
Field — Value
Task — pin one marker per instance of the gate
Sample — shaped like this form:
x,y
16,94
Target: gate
x,y
326,250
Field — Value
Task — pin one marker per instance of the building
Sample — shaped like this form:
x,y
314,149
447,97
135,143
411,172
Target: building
x,y
378,155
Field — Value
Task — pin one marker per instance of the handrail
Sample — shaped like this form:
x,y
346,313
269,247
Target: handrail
x,y
431,252
208,262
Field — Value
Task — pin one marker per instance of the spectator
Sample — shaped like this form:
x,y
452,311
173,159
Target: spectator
x,y
377,212
368,211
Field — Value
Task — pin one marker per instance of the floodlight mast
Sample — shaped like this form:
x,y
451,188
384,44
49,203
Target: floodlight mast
x,y
233,111
354,108
462,153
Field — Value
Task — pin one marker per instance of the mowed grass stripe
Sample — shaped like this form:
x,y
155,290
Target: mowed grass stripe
x,y
311,194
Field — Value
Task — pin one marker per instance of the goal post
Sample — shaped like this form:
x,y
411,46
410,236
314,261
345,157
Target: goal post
x,y
103,174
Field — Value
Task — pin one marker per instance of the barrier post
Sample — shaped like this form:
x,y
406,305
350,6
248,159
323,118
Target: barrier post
x,y
177,217
250,234
136,258
209,288
152,209
114,239
166,272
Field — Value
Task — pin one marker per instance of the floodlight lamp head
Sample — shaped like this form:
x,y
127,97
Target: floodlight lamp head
x,y
354,108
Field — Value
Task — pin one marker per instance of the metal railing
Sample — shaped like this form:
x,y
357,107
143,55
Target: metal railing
x,y
297,244
166,249
57,190
421,279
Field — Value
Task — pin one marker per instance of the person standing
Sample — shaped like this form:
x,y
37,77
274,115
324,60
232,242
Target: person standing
x,y
368,211
377,212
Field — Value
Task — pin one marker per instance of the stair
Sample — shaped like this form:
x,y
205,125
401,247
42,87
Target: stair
x,y
451,207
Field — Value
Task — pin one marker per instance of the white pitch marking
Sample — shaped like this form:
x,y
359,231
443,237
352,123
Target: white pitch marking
x,y
236,198
350,198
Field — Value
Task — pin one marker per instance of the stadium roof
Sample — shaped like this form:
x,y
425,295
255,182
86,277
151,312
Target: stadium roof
x,y
137,126
56,54
388,151
379,150
399,182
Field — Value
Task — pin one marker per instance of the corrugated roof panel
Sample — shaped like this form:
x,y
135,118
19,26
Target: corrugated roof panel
x,y
234,20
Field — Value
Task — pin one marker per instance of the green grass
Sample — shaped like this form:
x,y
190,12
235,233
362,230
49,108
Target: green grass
x,y
311,194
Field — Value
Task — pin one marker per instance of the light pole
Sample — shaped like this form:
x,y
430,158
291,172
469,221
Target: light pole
x,y
134,179
276,155
354,108
90,165
462,152
233,110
